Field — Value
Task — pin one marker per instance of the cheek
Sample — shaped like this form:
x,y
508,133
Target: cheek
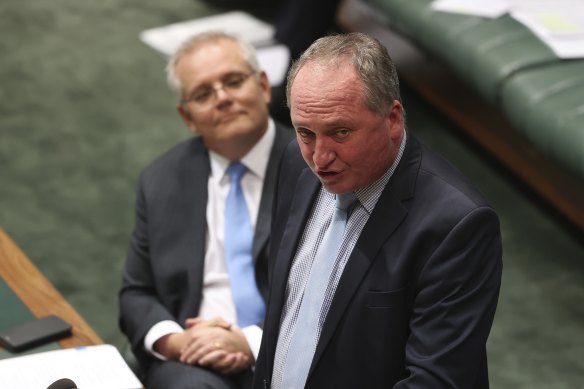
x,y
375,161
202,118
365,153
255,98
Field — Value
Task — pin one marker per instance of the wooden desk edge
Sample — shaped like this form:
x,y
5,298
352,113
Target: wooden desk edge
x,y
39,295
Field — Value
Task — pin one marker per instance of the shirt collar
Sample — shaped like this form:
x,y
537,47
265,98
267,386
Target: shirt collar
x,y
256,160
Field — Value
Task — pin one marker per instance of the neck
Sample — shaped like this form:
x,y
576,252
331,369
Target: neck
x,y
235,149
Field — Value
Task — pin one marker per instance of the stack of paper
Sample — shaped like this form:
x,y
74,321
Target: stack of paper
x,y
559,24
167,39
273,58
92,367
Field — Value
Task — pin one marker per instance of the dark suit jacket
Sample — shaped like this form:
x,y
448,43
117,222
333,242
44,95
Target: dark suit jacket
x,y
163,275
415,303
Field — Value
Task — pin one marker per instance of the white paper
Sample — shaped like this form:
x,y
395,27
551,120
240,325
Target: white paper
x,y
91,367
274,59
167,39
487,9
559,25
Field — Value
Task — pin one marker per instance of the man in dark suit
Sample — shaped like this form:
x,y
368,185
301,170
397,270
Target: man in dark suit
x,y
194,287
406,297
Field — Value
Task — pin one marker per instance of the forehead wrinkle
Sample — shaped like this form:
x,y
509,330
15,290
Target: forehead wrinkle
x,y
330,94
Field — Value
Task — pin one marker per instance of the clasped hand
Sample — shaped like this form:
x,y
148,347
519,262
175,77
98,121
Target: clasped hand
x,y
214,344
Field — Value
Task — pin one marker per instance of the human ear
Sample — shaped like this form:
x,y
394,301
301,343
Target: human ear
x,y
265,85
396,119
186,115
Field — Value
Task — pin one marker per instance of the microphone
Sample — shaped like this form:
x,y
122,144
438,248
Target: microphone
x,y
63,383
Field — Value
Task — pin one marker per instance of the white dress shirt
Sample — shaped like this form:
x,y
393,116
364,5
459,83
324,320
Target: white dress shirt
x,y
217,299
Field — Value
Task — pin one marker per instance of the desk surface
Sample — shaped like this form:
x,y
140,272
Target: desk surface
x,y
39,295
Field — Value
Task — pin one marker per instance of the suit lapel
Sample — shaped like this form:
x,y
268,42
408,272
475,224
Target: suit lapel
x,y
303,200
389,213
194,176
263,223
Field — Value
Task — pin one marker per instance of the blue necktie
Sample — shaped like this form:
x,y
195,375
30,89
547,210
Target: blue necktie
x,y
304,339
249,304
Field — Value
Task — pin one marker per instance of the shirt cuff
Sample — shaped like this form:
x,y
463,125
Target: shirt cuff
x,y
157,331
253,335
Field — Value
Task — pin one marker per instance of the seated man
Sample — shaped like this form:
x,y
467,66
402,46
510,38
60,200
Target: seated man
x,y
195,279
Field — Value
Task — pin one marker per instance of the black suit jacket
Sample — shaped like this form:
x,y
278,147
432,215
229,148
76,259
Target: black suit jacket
x,y
415,303
163,275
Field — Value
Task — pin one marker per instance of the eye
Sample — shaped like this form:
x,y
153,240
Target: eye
x,y
202,95
342,133
234,81
304,135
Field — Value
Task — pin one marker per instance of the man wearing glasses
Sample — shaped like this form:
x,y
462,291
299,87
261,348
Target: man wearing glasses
x,y
195,280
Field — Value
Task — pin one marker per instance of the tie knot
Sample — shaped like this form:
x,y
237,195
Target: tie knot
x,y
236,170
345,200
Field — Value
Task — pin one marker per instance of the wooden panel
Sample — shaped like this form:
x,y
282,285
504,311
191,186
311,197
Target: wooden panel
x,y
39,295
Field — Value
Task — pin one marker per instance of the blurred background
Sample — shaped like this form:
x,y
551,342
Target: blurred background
x,y
84,107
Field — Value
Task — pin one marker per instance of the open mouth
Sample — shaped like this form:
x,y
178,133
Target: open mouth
x,y
326,173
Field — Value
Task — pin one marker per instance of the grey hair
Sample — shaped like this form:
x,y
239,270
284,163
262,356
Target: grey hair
x,y
370,59
196,41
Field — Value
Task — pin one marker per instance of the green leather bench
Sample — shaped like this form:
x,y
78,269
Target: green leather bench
x,y
547,105
541,96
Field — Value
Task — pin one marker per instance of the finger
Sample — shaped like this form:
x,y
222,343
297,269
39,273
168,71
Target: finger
x,y
199,348
220,322
202,357
230,364
194,350
187,356
238,363
213,358
193,321
228,360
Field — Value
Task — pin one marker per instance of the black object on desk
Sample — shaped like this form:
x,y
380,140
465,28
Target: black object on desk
x,y
34,333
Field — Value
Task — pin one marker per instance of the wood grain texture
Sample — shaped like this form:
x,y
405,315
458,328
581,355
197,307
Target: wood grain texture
x,y
39,295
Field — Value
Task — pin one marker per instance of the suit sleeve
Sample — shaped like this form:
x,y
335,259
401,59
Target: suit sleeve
x,y
456,294
140,308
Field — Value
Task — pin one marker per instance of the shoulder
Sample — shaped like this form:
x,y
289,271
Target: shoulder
x,y
446,199
176,159
434,190
447,182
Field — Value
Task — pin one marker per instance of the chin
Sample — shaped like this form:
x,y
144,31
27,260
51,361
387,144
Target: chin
x,y
336,189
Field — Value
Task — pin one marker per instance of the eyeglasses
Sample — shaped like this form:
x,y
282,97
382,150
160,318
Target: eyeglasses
x,y
205,96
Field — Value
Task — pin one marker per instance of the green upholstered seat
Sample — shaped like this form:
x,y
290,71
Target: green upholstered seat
x,y
547,105
507,65
483,52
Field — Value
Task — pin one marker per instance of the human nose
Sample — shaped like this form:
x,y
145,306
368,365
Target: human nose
x,y
219,91
323,154
222,96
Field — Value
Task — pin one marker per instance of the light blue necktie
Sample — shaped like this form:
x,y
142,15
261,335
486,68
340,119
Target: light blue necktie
x,y
303,342
249,304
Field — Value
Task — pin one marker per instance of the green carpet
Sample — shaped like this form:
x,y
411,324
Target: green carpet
x,y
84,107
